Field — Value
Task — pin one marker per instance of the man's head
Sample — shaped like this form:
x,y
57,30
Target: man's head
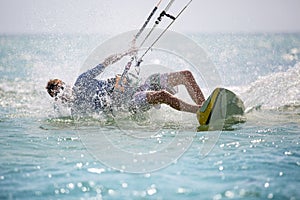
x,y
54,87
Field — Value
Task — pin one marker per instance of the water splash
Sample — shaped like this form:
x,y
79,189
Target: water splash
x,y
279,90
274,99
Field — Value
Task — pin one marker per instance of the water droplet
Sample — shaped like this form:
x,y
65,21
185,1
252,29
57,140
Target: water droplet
x,y
288,153
124,185
147,175
242,192
62,190
79,184
111,192
267,185
79,165
151,191
84,189
92,183
218,162
98,190
181,190
270,196
70,186
217,197
74,138
96,170
229,194
257,141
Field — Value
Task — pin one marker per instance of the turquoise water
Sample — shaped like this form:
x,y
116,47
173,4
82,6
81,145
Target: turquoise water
x,y
43,156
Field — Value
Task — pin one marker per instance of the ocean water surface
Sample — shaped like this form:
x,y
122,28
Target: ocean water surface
x,y
44,154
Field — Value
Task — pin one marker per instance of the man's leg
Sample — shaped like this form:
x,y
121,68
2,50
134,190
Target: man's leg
x,y
187,79
158,97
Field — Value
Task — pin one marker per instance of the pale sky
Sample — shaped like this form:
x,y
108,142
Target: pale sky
x,y
114,16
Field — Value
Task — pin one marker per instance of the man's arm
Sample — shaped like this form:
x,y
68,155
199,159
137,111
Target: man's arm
x,y
116,57
94,72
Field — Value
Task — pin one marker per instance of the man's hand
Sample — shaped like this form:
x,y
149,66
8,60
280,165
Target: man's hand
x,y
116,57
132,51
112,59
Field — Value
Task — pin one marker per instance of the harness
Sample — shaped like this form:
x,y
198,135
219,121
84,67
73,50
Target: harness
x,y
111,95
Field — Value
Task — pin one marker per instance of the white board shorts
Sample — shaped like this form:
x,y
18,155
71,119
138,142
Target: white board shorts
x,y
155,82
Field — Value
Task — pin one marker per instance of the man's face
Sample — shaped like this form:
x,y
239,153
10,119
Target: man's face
x,y
55,87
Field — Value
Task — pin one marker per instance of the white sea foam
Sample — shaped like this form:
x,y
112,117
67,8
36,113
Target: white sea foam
x,y
275,91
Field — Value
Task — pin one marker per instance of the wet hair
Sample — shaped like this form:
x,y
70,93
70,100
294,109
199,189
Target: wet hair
x,y
53,87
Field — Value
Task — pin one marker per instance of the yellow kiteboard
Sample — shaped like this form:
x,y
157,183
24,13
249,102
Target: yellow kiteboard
x,y
221,110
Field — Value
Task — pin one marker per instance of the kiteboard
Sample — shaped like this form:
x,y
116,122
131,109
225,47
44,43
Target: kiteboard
x,y
220,111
